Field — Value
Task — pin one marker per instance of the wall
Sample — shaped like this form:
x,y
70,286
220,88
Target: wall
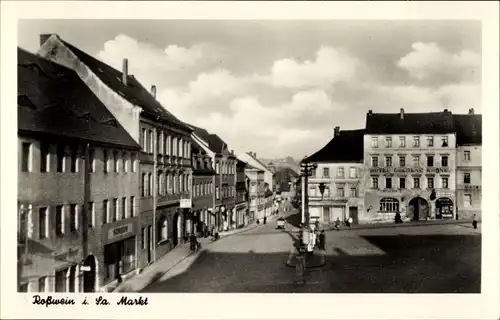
x,y
474,188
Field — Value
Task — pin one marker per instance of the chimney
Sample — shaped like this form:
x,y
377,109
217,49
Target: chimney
x,y
471,111
153,91
125,71
402,113
336,131
370,112
44,38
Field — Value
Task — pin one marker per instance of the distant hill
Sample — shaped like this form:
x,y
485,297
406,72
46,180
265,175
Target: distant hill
x,y
287,162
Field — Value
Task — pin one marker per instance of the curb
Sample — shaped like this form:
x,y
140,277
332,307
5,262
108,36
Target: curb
x,y
293,253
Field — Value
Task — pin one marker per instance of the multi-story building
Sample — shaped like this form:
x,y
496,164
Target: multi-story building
x,y
224,162
256,192
165,157
408,156
469,141
241,208
339,175
78,184
203,189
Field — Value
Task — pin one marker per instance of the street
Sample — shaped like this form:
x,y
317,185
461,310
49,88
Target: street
x,y
402,259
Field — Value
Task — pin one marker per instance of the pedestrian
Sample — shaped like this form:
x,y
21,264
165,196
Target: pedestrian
x,y
397,218
474,221
322,240
337,224
192,242
265,220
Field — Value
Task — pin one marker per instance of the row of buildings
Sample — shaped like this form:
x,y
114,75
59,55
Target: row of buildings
x,y
109,179
422,165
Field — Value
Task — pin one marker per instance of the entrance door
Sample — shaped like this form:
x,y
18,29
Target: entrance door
x,y
353,213
420,208
149,241
176,230
89,277
326,215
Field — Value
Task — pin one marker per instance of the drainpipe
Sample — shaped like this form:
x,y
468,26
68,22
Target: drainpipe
x,y
154,193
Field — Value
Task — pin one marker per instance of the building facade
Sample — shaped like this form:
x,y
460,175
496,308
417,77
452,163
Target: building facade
x,y
408,156
256,192
203,190
78,184
469,165
241,200
164,159
339,175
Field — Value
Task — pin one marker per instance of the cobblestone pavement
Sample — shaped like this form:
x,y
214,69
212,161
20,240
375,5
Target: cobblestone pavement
x,y
427,259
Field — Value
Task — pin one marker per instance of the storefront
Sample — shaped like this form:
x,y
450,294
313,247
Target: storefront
x,y
444,208
119,251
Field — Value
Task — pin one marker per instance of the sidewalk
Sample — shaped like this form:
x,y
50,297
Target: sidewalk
x,y
156,270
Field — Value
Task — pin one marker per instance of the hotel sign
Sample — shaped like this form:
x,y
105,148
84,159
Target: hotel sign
x,y
409,170
119,231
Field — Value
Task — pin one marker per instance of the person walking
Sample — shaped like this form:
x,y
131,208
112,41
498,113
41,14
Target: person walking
x,y
322,240
474,221
192,242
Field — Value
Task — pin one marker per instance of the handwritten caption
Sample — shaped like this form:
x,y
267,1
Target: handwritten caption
x,y
99,301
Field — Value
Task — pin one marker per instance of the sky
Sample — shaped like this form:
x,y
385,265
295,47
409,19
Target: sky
x,y
278,88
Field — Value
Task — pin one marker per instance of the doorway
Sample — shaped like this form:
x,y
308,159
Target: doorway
x,y
353,213
89,277
175,230
420,208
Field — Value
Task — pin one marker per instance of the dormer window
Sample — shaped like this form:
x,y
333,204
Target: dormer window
x,y
444,140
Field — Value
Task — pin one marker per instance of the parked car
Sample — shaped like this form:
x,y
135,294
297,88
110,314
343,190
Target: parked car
x,y
280,223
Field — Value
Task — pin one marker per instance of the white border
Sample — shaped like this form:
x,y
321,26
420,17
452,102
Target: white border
x,y
245,306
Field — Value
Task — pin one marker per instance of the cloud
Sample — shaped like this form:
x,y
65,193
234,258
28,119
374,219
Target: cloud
x,y
331,65
428,60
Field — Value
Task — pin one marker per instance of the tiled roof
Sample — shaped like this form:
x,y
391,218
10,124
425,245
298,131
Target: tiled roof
x,y
215,143
240,163
469,128
411,123
133,92
346,147
196,148
53,100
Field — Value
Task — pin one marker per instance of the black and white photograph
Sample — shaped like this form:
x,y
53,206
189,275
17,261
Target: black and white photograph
x,y
250,156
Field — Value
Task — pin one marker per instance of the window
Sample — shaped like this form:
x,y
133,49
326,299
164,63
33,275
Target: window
x,y
388,142
144,239
125,162
389,205
144,184
430,141
467,178
388,161
217,193
430,161
44,158
26,150
467,155
352,172
444,141
180,146
467,200
402,161
402,183
106,161
312,191
116,158
416,161
217,169
43,223
60,159
41,284
91,209
174,146
354,192
92,160
163,229
74,160
374,183
444,182
59,220
169,183
105,212
374,162
444,161
402,142
116,207
132,206
73,216
375,142
326,172
150,186
340,172
133,162
151,141
144,140
160,143
430,182
388,183
416,183
124,211
313,172
168,143
340,191
416,141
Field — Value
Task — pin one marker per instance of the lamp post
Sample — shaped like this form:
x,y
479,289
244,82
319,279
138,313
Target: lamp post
x,y
306,169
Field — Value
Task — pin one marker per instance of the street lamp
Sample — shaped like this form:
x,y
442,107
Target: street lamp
x,y
306,171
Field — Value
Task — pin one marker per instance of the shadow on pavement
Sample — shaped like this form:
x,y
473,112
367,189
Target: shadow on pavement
x,y
411,264
294,219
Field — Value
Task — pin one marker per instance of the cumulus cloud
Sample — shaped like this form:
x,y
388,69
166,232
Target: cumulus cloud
x,y
428,60
331,65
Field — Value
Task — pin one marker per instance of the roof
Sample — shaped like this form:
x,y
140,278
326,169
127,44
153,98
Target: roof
x,y
411,123
215,143
196,148
133,92
240,163
346,147
250,167
469,128
52,99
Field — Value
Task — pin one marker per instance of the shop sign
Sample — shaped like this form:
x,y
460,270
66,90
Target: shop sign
x,y
185,203
438,170
380,170
408,170
120,230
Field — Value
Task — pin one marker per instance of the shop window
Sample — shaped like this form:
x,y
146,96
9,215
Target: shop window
x,y
128,259
389,205
467,178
